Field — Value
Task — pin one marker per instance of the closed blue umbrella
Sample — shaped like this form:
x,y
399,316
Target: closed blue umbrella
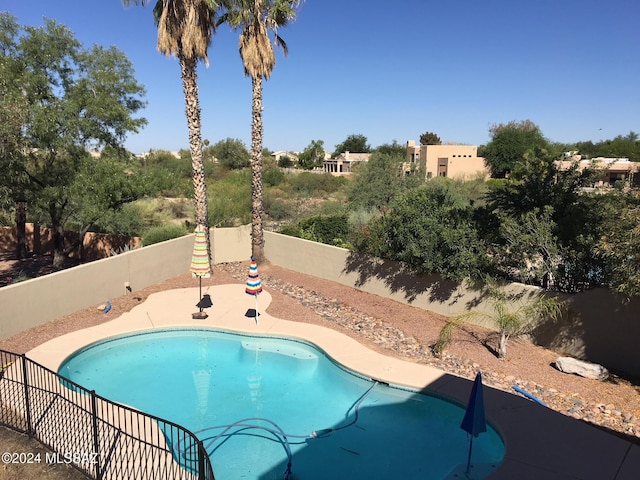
x,y
474,421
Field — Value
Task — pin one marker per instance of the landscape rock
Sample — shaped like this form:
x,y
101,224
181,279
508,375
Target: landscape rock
x,y
582,368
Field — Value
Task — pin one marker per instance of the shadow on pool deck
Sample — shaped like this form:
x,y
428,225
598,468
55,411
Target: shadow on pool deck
x,y
540,443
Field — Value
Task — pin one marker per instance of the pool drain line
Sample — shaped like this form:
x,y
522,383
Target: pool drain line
x,y
282,437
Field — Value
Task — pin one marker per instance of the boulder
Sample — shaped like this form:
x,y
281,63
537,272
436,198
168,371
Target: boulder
x,y
582,368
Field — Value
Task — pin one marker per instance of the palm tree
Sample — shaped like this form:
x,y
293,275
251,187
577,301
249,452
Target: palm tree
x,y
258,18
511,314
185,28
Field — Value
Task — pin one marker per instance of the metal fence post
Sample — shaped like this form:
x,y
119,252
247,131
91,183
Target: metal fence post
x,y
27,403
96,443
202,474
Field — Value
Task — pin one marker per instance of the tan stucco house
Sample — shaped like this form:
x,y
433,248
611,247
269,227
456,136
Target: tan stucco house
x,y
614,169
453,161
343,163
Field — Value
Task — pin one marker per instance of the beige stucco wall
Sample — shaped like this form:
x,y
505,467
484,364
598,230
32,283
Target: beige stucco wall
x,y
34,302
384,278
462,161
602,328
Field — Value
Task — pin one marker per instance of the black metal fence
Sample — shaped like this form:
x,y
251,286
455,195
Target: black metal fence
x,y
103,439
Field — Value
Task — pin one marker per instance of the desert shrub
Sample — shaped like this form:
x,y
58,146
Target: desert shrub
x,y
273,177
229,200
314,184
291,230
163,233
277,208
329,229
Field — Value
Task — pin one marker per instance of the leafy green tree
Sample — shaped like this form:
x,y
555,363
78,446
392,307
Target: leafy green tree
x,y
355,143
377,182
531,247
511,314
393,148
285,162
257,18
312,156
429,229
627,146
74,99
508,144
231,153
531,184
13,114
185,28
541,206
429,138
619,246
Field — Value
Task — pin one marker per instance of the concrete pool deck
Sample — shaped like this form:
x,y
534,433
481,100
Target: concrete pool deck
x,y
540,443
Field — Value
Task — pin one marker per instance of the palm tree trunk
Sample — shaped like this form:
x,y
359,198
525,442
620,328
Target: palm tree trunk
x,y
190,86
502,348
257,233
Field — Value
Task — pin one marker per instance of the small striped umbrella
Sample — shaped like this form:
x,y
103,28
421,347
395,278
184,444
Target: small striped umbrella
x,y
200,267
254,285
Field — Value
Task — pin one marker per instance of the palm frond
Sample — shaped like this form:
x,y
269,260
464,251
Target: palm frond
x,y
256,51
281,43
446,335
185,27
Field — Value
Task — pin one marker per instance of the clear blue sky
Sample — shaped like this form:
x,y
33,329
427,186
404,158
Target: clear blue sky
x,y
390,70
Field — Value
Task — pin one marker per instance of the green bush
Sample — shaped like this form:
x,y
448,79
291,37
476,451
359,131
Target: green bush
x,y
328,229
276,208
273,177
230,200
291,230
314,184
162,233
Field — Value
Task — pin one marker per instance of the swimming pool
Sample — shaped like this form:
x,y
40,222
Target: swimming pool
x,y
259,403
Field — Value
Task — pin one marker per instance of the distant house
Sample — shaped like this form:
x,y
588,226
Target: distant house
x,y
293,156
614,169
453,161
144,155
343,163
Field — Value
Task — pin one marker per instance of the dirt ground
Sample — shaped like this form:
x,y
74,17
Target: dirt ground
x,y
22,458
12,270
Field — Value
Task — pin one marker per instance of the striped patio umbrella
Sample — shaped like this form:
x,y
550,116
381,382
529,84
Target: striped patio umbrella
x,y
200,267
254,285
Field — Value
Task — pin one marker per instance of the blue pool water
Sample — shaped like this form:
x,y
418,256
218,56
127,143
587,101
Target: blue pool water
x,y
337,424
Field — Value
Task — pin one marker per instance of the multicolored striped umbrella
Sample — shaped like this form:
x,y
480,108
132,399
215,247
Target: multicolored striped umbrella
x,y
200,266
254,285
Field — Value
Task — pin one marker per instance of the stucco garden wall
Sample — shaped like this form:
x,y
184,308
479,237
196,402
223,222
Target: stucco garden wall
x,y
602,328
33,302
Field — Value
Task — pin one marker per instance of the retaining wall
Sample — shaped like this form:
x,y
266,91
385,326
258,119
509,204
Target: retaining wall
x,y
34,302
602,328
